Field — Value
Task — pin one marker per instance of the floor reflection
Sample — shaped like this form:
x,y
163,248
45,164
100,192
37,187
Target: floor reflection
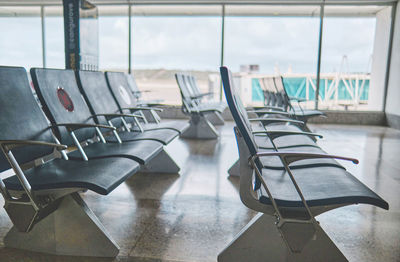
x,y
193,215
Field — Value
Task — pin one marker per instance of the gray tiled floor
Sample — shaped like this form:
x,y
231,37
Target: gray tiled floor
x,y
194,215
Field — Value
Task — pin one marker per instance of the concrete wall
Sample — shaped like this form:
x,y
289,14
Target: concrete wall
x,y
393,96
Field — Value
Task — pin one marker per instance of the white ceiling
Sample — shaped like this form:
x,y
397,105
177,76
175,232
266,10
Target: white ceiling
x,y
213,7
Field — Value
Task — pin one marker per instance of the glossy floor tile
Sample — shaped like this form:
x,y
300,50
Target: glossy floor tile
x,y
193,216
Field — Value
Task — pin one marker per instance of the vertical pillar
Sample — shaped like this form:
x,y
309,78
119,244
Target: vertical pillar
x,y
379,60
222,46
43,36
129,38
321,29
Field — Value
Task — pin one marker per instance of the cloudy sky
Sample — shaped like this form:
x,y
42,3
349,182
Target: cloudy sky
x,y
193,43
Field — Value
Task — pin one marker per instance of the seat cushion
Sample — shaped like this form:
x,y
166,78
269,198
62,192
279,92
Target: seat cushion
x,y
284,141
164,136
101,176
275,163
140,151
320,186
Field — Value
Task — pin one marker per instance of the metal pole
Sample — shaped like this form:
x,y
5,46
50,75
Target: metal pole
x,y
129,39
43,36
321,29
222,46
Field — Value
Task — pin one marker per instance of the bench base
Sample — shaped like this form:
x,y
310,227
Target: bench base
x,y
215,118
261,241
234,170
162,163
73,230
200,128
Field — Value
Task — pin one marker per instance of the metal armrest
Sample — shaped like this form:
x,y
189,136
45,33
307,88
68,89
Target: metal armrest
x,y
75,126
268,107
276,133
10,144
290,157
298,99
118,115
268,112
144,108
276,120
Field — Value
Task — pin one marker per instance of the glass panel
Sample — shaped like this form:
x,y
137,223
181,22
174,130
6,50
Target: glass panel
x,y
21,40
113,38
164,45
54,34
272,40
350,55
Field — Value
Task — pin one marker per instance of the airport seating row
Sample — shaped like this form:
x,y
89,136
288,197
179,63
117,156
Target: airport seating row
x,y
289,180
86,134
203,113
276,98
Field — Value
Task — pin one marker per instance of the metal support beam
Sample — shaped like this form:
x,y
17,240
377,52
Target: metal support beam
x,y
129,38
222,45
43,36
321,29
389,57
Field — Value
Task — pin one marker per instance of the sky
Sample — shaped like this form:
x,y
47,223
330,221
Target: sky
x,y
194,43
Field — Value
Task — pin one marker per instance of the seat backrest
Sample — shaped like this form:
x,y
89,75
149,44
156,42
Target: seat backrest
x,y
62,102
269,84
185,93
21,117
119,87
194,85
239,115
133,86
282,91
94,88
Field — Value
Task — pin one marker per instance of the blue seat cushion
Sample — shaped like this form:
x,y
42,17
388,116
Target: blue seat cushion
x,y
321,186
101,176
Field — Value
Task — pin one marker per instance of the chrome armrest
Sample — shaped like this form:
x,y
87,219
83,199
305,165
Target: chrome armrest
x,y
276,120
143,108
275,134
290,157
111,116
75,126
298,99
267,107
10,144
268,112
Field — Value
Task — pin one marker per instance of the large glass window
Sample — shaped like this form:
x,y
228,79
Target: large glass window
x,y
165,44
271,40
347,48
113,38
54,37
21,39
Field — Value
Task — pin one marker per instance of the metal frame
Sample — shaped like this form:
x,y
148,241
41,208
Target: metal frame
x,y
322,3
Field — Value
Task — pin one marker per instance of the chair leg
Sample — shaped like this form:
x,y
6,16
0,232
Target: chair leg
x,y
73,230
200,128
234,170
162,163
261,241
215,118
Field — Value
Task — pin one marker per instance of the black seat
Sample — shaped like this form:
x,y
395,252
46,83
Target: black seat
x,y
42,199
321,186
22,119
101,176
119,87
101,102
48,83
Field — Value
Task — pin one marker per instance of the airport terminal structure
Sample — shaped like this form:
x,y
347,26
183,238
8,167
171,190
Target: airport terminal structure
x,y
199,131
